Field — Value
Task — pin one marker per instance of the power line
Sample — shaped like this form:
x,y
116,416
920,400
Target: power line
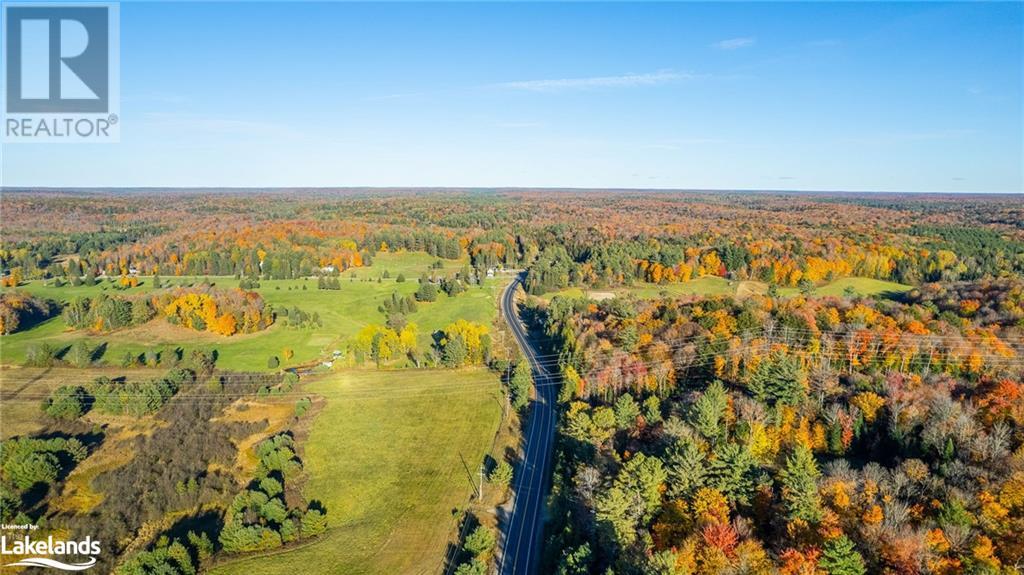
x,y
992,358
701,360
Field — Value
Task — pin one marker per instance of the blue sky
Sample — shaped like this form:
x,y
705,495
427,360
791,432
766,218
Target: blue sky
x,y
807,96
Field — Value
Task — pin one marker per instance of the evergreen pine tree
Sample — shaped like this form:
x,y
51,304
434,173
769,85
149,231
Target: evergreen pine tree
x,y
800,486
840,557
708,414
519,386
779,379
732,472
687,468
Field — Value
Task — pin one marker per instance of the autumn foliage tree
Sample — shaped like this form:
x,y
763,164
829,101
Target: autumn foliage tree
x,y
19,309
223,312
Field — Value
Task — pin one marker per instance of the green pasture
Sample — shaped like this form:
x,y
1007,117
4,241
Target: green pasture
x,y
390,456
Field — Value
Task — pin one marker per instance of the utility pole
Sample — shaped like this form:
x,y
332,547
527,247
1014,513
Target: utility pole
x,y
480,492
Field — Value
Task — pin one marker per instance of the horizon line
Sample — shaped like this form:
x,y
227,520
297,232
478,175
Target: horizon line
x,y
568,189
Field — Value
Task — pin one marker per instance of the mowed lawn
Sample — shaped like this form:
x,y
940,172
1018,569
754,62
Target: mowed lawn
x,y
343,313
390,455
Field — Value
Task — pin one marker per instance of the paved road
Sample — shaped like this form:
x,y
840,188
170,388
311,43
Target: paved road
x,y
522,542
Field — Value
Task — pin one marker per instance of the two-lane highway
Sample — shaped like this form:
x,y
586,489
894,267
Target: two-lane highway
x,y
521,541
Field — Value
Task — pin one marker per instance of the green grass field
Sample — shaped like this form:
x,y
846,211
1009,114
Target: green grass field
x,y
699,286
712,286
863,286
837,288
344,312
390,455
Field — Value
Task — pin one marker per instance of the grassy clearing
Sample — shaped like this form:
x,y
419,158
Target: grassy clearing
x,y
275,413
412,264
700,286
714,286
23,389
863,286
390,455
837,288
343,312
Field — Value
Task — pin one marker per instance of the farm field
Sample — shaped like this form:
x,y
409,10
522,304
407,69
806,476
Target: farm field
x,y
343,312
714,286
390,456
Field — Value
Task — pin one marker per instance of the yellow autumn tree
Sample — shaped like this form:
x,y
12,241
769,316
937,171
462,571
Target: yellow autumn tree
x,y
472,335
407,337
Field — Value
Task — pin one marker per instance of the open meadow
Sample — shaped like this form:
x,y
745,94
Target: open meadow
x,y
390,455
717,286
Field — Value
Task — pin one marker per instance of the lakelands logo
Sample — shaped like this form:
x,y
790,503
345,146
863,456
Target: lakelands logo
x,y
41,553
61,72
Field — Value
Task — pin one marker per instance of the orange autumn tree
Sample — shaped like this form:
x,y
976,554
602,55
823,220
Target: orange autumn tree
x,y
224,312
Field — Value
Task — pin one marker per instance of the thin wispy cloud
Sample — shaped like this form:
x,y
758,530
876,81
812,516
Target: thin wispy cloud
x,y
594,82
735,43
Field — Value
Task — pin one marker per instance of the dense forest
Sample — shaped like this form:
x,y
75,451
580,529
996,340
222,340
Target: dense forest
x,y
833,435
582,238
